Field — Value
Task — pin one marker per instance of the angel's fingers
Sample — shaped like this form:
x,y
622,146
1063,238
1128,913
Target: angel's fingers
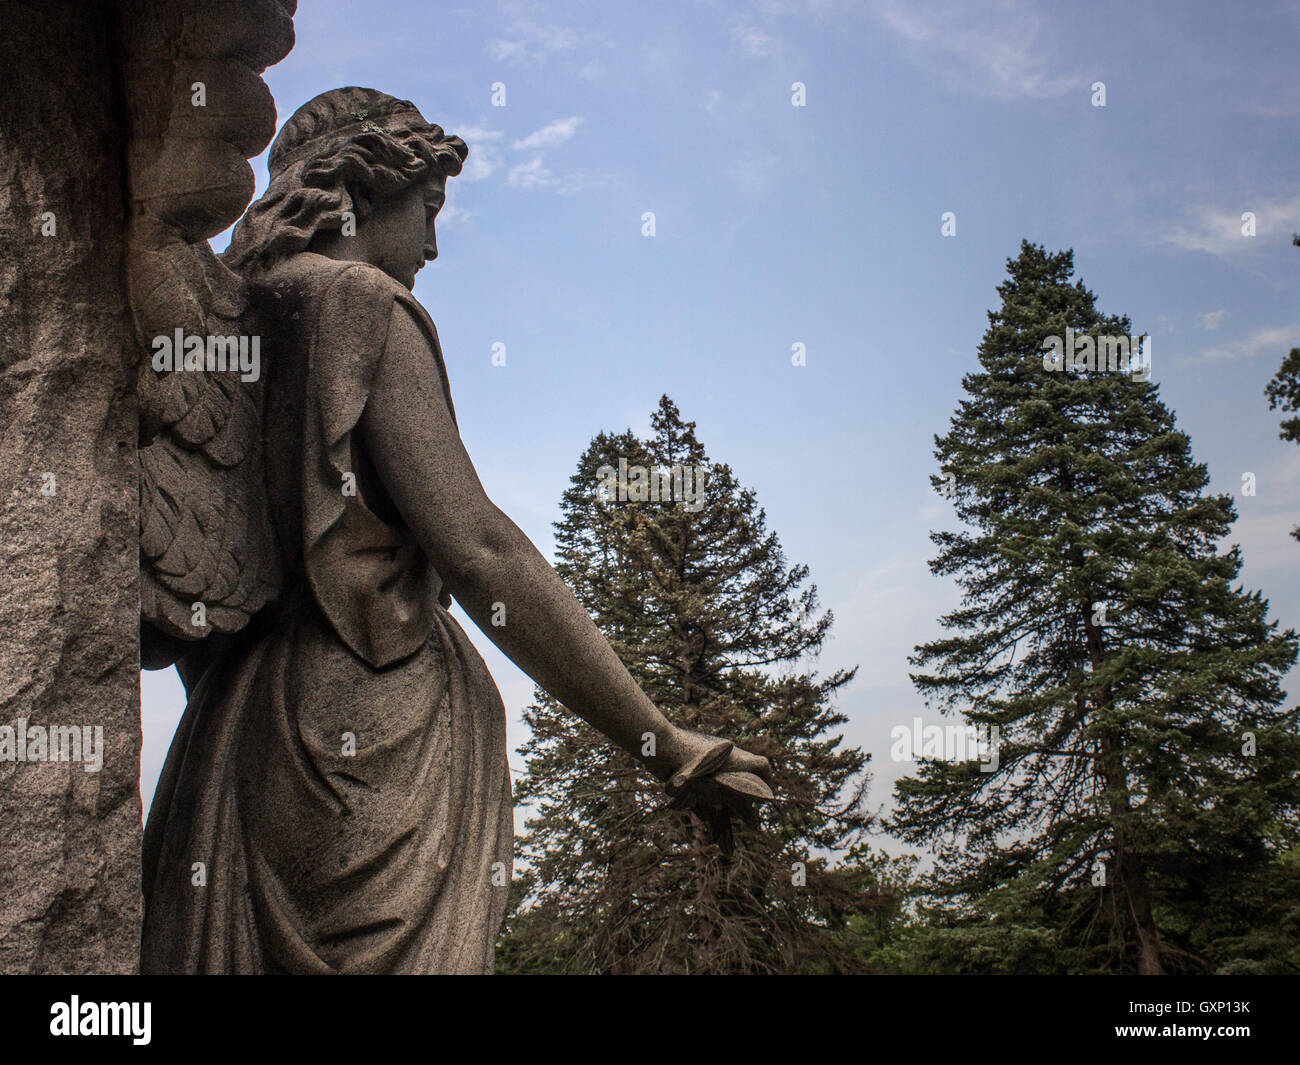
x,y
746,785
742,761
701,765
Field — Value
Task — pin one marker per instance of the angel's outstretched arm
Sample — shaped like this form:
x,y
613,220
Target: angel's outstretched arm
x,y
483,558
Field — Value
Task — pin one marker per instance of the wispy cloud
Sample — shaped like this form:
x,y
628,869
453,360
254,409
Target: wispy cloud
x,y
1270,339
1211,320
529,40
751,40
484,151
533,172
550,135
522,159
1000,51
532,49
1217,228
530,174
451,215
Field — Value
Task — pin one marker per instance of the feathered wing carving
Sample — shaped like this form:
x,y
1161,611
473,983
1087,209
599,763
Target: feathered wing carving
x,y
198,109
205,530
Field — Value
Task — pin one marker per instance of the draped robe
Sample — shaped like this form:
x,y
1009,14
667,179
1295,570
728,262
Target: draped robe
x,y
336,798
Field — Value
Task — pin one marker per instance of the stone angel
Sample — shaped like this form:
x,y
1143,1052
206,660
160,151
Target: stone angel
x,y
337,798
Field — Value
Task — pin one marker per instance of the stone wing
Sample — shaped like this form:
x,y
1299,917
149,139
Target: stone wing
x,y
197,110
208,556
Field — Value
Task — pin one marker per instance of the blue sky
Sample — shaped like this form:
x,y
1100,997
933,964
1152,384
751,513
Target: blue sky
x,y
820,225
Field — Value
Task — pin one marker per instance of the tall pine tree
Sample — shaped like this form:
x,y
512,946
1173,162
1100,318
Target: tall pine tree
x,y
700,604
1147,772
1283,393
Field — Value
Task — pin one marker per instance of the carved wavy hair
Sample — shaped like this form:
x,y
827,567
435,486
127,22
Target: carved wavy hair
x,y
341,143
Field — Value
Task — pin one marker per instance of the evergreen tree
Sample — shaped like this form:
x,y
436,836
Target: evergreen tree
x,y
700,604
1146,768
1283,392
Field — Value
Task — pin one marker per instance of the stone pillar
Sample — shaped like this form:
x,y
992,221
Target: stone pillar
x,y
69,595
111,169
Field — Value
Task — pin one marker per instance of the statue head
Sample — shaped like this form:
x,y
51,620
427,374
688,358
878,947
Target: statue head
x,y
354,173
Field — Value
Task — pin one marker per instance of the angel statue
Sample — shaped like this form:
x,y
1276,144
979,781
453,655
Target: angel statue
x,y
336,798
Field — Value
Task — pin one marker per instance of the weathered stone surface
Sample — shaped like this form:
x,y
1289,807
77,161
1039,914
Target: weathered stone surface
x,y
110,169
69,611
196,110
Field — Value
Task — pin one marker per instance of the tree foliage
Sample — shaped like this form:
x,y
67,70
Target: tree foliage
x,y
718,628
1148,772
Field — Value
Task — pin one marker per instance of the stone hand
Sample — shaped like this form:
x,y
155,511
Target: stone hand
x,y
717,781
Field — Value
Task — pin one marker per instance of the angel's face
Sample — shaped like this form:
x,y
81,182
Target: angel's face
x,y
399,232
